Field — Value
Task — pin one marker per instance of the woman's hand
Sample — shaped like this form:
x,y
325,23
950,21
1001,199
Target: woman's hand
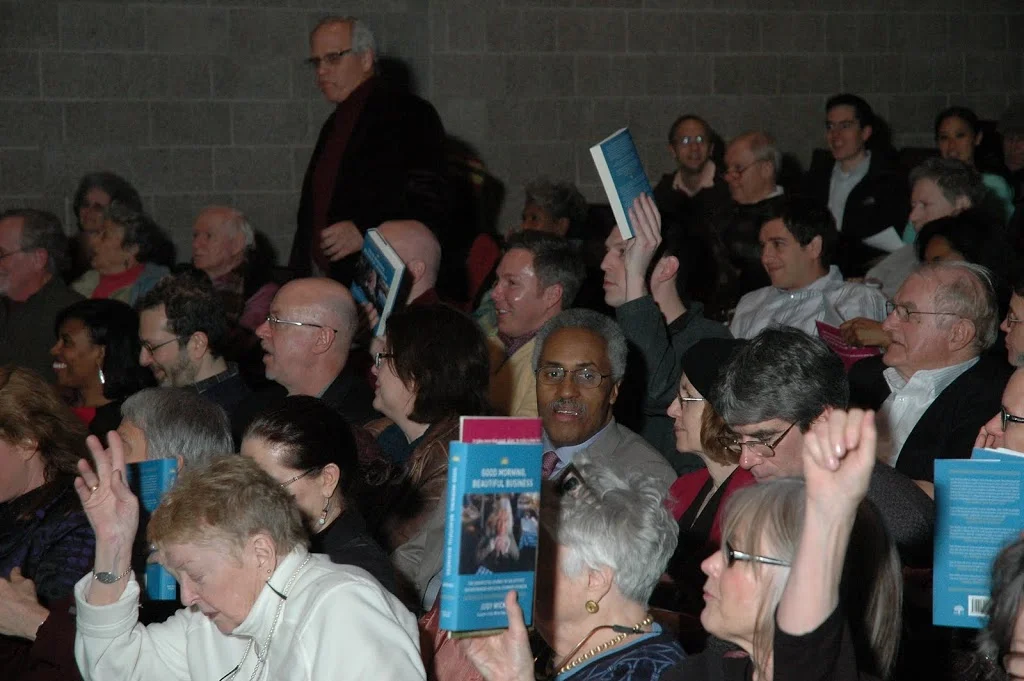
x,y
21,615
638,251
839,455
505,656
112,509
864,332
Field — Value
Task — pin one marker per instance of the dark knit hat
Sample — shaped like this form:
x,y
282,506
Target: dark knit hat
x,y
701,363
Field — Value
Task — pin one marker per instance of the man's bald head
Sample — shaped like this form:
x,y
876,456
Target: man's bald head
x,y
418,248
220,237
327,302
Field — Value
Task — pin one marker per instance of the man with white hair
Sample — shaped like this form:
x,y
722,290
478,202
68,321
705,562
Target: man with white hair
x,y
379,156
222,243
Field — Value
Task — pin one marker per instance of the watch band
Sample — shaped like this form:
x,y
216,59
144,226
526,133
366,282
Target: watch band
x,y
110,577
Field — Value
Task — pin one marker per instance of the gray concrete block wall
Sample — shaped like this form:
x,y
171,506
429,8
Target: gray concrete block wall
x,y
200,101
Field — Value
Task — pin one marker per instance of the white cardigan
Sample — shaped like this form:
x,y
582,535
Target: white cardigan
x,y
338,623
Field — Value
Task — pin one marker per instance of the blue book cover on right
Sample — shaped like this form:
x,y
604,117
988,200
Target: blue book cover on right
x,y
378,277
979,505
150,480
491,530
622,174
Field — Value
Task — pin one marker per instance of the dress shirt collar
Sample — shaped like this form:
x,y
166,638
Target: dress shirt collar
x,y
566,454
857,174
932,381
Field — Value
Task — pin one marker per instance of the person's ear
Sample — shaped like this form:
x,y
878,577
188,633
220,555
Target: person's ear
x,y
330,478
198,344
666,268
416,268
324,340
599,582
265,553
961,334
366,60
865,133
562,226
181,460
614,394
961,204
813,249
28,448
553,295
978,137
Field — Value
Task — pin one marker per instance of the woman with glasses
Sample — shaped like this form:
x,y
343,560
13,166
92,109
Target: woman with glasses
x,y
1001,644
258,604
434,368
698,497
310,450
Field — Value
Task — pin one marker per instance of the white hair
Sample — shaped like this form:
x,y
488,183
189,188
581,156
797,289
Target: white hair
x,y
363,39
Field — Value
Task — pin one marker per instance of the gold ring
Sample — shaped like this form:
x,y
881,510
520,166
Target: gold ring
x,y
94,488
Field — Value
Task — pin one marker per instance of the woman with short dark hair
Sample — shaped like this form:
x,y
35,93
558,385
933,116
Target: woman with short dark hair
x,y
434,368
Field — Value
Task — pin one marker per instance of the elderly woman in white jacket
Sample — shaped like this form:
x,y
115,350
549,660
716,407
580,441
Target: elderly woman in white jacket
x,y
257,604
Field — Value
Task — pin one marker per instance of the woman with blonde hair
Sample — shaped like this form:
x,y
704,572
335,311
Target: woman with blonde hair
x,y
258,605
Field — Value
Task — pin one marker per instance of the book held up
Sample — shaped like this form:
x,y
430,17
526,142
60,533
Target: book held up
x,y
378,277
622,175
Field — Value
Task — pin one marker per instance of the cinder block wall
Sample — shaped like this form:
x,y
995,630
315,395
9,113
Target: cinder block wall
x,y
200,101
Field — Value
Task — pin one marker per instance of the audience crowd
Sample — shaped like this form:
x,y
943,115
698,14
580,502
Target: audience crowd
x,y
741,408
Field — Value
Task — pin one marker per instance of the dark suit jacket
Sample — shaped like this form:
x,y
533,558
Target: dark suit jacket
x,y
393,168
948,428
879,201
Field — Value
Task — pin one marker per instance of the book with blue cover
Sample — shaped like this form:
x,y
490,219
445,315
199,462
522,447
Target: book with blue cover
x,y
979,505
378,277
150,480
622,175
491,530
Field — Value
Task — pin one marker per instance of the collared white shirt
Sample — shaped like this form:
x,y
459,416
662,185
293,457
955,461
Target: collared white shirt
x,y
566,453
908,402
828,299
841,184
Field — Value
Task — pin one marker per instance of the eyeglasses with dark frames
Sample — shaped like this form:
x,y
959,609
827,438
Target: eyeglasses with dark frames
x,y
760,447
271,319
570,481
1009,418
903,313
738,172
329,58
300,476
379,358
585,377
151,349
732,555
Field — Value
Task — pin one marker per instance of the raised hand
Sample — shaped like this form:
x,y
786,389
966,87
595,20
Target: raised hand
x,y
505,656
112,509
638,251
864,332
838,457
340,239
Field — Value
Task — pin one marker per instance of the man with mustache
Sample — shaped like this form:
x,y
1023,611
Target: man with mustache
x,y
579,360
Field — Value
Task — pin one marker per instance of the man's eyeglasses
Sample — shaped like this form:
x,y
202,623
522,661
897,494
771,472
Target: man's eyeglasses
x,y
1011,320
1009,418
903,313
760,447
687,140
300,476
151,349
738,171
840,125
570,481
271,319
732,555
329,58
379,358
584,378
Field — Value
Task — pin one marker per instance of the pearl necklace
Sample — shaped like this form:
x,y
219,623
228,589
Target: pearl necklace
x,y
635,629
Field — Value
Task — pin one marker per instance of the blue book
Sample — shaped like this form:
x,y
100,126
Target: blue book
x,y
150,480
490,541
622,174
378,277
979,506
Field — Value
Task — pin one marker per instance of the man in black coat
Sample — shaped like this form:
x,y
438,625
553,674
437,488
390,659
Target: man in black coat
x,y
864,188
380,155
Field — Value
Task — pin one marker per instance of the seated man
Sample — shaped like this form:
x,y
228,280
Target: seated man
x,y
579,361
33,248
182,329
645,281
695,188
940,385
306,340
771,391
538,277
223,246
752,162
798,246
865,190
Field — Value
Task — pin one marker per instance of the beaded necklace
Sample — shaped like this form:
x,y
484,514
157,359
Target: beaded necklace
x,y
623,633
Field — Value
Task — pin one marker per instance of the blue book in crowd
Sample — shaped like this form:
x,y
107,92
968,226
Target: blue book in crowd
x,y
491,526
150,480
979,504
378,277
623,176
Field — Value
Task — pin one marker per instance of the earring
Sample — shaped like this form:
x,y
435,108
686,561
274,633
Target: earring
x,y
592,607
323,516
103,379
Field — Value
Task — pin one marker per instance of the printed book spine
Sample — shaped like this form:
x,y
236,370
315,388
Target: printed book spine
x,y
491,533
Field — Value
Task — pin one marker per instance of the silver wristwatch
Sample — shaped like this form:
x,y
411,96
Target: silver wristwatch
x,y
110,577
